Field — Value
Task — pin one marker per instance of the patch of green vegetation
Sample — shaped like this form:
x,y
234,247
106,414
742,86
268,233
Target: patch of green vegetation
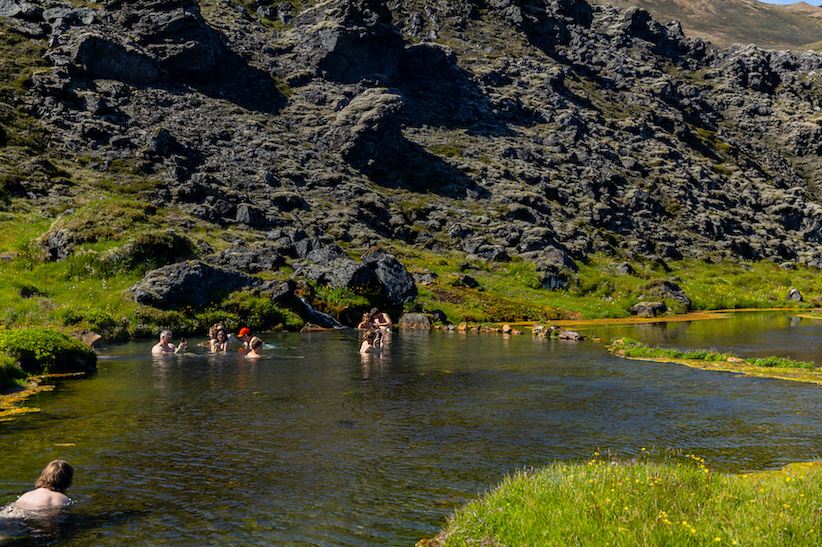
x,y
11,375
447,150
674,501
112,222
629,347
780,362
259,313
41,350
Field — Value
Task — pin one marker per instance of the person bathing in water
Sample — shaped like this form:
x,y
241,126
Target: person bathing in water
x,y
165,345
255,345
50,487
371,343
220,342
381,320
246,338
365,322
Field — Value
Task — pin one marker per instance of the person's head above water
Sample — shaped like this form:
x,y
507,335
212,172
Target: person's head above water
x,y
57,476
165,334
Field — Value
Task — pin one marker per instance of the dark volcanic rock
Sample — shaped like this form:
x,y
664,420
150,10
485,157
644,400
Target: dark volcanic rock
x,y
398,284
367,131
415,321
97,57
191,284
543,131
649,309
248,259
346,41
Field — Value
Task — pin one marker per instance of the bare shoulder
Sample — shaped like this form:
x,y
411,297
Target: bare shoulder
x,y
41,498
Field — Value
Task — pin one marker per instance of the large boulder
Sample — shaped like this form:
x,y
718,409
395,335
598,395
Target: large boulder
x,y
331,266
174,32
668,289
97,57
190,284
648,309
347,41
398,284
415,321
254,259
367,132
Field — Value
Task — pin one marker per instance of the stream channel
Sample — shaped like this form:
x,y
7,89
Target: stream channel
x,y
316,445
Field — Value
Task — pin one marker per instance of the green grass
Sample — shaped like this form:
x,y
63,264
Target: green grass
x,y
628,347
677,501
11,375
596,292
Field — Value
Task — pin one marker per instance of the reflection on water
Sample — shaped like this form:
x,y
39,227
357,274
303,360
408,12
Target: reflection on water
x,y
319,445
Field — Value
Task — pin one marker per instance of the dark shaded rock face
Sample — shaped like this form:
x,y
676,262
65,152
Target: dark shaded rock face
x,y
192,284
649,309
330,265
346,41
97,57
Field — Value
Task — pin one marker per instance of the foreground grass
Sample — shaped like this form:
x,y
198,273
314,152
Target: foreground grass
x,y
603,502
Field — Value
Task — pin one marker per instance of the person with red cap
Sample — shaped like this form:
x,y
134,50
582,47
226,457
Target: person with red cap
x,y
245,336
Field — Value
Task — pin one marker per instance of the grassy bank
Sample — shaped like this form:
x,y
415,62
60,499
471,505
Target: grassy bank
x,y
763,367
677,502
87,289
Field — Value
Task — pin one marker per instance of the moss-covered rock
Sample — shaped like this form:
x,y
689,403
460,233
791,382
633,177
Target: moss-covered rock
x,y
44,350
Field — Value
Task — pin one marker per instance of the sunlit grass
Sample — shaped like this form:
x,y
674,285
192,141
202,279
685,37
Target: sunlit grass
x,y
627,347
678,501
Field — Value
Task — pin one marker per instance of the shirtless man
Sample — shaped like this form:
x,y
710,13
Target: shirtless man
x,y
165,345
380,320
50,487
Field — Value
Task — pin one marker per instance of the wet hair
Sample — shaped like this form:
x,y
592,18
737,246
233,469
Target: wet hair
x,y
370,336
56,476
374,311
256,343
164,333
212,331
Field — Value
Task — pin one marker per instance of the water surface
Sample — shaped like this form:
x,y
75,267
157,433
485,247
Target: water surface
x,y
319,446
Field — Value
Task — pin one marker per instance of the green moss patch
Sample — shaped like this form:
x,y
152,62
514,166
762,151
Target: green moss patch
x,y
43,350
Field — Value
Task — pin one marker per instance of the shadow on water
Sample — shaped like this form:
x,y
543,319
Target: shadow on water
x,y
19,528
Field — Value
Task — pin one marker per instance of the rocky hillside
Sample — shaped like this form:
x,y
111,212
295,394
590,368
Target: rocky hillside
x,y
545,130
724,23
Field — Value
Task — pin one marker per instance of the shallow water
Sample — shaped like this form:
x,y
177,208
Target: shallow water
x,y
318,446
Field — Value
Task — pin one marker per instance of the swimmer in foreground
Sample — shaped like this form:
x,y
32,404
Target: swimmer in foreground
x,y
371,342
165,345
50,487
